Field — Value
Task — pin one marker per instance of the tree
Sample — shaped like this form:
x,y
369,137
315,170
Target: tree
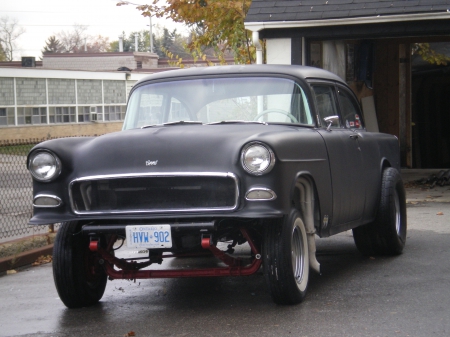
x,y
73,40
129,42
10,31
52,45
95,44
430,55
2,54
76,41
163,41
172,43
217,24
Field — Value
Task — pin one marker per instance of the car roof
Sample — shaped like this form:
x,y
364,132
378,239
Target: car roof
x,y
301,72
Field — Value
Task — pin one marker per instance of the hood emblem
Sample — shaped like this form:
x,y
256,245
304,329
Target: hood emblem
x,y
151,163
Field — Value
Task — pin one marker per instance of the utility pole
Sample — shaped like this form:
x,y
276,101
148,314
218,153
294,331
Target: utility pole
x,y
151,35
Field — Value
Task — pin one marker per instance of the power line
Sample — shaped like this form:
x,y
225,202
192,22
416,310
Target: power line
x,y
112,25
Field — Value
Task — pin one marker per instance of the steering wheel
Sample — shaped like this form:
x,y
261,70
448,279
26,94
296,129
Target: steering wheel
x,y
279,111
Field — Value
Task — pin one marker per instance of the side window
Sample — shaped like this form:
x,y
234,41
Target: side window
x,y
351,114
326,104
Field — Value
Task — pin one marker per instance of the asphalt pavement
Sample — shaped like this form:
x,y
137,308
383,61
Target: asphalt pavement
x,y
407,295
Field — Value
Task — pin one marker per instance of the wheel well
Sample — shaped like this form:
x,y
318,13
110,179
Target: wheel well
x,y
305,199
385,164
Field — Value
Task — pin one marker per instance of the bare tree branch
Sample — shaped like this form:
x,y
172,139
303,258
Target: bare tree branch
x,y
73,40
10,31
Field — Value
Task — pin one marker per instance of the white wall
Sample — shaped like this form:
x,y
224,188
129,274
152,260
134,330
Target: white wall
x,y
278,51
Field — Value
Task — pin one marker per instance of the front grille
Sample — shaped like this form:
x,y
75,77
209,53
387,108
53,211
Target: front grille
x,y
153,193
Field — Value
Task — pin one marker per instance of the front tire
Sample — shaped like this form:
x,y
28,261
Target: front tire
x,y
286,259
79,279
387,234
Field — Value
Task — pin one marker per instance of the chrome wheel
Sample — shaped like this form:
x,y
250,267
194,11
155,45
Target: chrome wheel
x,y
398,223
286,259
297,257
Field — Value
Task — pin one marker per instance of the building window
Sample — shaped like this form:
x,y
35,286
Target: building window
x,y
3,117
62,114
39,116
90,114
7,116
36,115
115,113
315,56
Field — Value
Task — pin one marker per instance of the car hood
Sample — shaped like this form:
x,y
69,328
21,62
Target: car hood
x,y
172,148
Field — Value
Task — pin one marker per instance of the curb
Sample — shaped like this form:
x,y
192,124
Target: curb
x,y
24,258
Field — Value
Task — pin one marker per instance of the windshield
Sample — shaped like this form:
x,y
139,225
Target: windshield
x,y
215,100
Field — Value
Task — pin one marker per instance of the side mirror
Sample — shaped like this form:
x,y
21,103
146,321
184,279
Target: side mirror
x,y
330,120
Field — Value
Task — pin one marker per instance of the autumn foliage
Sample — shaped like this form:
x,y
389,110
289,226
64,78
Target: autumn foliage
x,y
217,24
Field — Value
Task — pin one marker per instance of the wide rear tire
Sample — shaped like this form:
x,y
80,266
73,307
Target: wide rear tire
x,y
387,234
286,259
79,279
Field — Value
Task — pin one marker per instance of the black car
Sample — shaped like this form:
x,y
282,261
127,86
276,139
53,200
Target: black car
x,y
209,159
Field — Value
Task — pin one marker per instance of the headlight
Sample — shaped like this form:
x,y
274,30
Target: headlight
x,y
44,165
257,158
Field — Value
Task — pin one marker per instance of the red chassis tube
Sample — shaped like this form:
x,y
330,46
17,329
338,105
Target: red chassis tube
x,y
130,271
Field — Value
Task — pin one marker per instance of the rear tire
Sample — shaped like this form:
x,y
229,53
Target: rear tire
x,y
79,279
286,259
387,234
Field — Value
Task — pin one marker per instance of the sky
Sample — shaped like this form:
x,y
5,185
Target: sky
x,y
44,18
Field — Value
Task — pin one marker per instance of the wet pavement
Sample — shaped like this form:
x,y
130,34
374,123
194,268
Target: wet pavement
x,y
408,295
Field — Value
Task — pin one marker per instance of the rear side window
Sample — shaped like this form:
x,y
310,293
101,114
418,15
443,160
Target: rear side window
x,y
350,112
326,104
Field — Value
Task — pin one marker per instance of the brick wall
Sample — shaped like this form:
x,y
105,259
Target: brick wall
x,y
103,62
57,131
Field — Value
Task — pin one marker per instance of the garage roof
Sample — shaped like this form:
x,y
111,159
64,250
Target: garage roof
x,y
301,10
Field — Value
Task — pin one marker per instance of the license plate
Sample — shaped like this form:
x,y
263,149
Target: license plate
x,y
149,236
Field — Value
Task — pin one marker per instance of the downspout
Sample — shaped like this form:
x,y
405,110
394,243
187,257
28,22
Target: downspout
x,y
257,44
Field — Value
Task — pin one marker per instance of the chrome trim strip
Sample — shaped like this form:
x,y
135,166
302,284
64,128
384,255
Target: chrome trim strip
x,y
274,195
153,175
47,196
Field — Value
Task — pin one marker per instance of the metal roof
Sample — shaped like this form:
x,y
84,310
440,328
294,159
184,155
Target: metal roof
x,y
301,72
303,10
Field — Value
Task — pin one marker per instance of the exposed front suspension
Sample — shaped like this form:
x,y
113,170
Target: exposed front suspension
x,y
134,270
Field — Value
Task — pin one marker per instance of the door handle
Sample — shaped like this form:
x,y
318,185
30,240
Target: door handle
x,y
354,136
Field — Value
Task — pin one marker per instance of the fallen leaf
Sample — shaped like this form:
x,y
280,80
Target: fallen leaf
x,y
11,271
439,213
130,334
42,260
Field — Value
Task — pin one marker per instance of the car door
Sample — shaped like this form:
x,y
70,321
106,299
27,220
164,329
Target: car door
x,y
345,158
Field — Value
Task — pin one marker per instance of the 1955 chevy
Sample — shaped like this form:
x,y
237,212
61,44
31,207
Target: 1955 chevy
x,y
266,156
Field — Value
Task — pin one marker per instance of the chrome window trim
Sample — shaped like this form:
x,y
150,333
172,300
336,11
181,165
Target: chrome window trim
x,y
274,195
153,175
47,196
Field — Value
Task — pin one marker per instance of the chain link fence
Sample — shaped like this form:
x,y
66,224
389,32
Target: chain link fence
x,y
16,192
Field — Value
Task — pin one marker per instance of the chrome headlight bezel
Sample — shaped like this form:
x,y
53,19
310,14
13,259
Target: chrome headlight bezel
x,y
52,160
265,154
